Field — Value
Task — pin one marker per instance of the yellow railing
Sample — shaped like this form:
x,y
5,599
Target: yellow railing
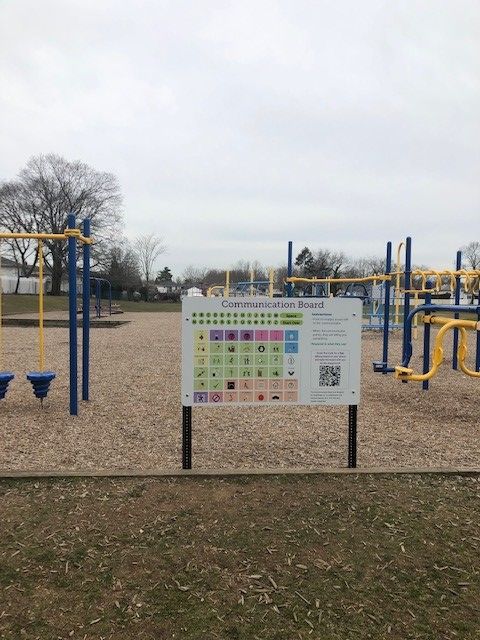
x,y
406,374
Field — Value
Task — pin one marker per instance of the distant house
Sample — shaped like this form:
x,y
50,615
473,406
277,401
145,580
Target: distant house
x,y
13,282
192,291
167,286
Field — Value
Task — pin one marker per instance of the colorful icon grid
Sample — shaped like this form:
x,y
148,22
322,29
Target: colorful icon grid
x,y
250,365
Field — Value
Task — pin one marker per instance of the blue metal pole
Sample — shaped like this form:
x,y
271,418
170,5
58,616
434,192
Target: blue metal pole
x,y
457,301
408,285
386,307
426,343
72,309
290,268
86,314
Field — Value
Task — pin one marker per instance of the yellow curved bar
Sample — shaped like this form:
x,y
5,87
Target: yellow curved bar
x,y
462,354
214,286
404,373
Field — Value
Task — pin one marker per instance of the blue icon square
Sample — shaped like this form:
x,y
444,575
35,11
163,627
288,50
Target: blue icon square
x,y
291,335
291,347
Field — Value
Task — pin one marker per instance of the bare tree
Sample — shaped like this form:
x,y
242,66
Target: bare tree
x,y
148,247
46,191
472,254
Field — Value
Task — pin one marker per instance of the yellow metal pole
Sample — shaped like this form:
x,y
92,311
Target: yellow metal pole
x,y
270,284
41,337
226,291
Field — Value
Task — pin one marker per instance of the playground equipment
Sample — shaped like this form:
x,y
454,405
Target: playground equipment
x,y
42,378
407,310
98,295
250,287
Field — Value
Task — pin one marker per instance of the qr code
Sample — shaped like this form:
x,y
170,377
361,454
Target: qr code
x,y
329,375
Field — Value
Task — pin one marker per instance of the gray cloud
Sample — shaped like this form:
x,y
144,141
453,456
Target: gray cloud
x,y
235,127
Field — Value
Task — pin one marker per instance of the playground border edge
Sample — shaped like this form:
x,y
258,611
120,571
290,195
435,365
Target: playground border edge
x,y
134,473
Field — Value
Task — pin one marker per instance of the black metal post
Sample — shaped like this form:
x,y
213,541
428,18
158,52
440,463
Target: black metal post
x,y
352,436
186,437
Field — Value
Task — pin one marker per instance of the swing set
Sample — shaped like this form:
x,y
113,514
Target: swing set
x,y
42,378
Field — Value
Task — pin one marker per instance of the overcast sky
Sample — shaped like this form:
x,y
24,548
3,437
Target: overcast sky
x,y
234,126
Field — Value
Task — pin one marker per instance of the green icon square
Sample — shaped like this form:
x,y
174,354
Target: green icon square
x,y
246,347
275,347
231,372
200,372
261,359
216,373
261,372
230,360
246,360
231,347
245,372
275,372
215,384
216,360
216,347
275,359
200,385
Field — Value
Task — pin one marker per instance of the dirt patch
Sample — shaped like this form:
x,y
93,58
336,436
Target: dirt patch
x,y
134,418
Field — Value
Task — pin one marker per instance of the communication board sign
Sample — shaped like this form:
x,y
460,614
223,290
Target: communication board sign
x,y
271,351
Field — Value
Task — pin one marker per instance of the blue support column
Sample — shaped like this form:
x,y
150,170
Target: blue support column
x,y
386,307
86,314
458,265
72,312
426,343
290,268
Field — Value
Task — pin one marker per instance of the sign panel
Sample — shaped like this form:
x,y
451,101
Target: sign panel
x,y
271,351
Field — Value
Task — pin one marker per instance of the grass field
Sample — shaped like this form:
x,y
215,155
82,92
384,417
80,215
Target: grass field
x,y
13,304
242,558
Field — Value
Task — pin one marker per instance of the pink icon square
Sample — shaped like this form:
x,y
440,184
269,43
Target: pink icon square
x,y
276,334
275,385
261,335
291,396
290,385
246,396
